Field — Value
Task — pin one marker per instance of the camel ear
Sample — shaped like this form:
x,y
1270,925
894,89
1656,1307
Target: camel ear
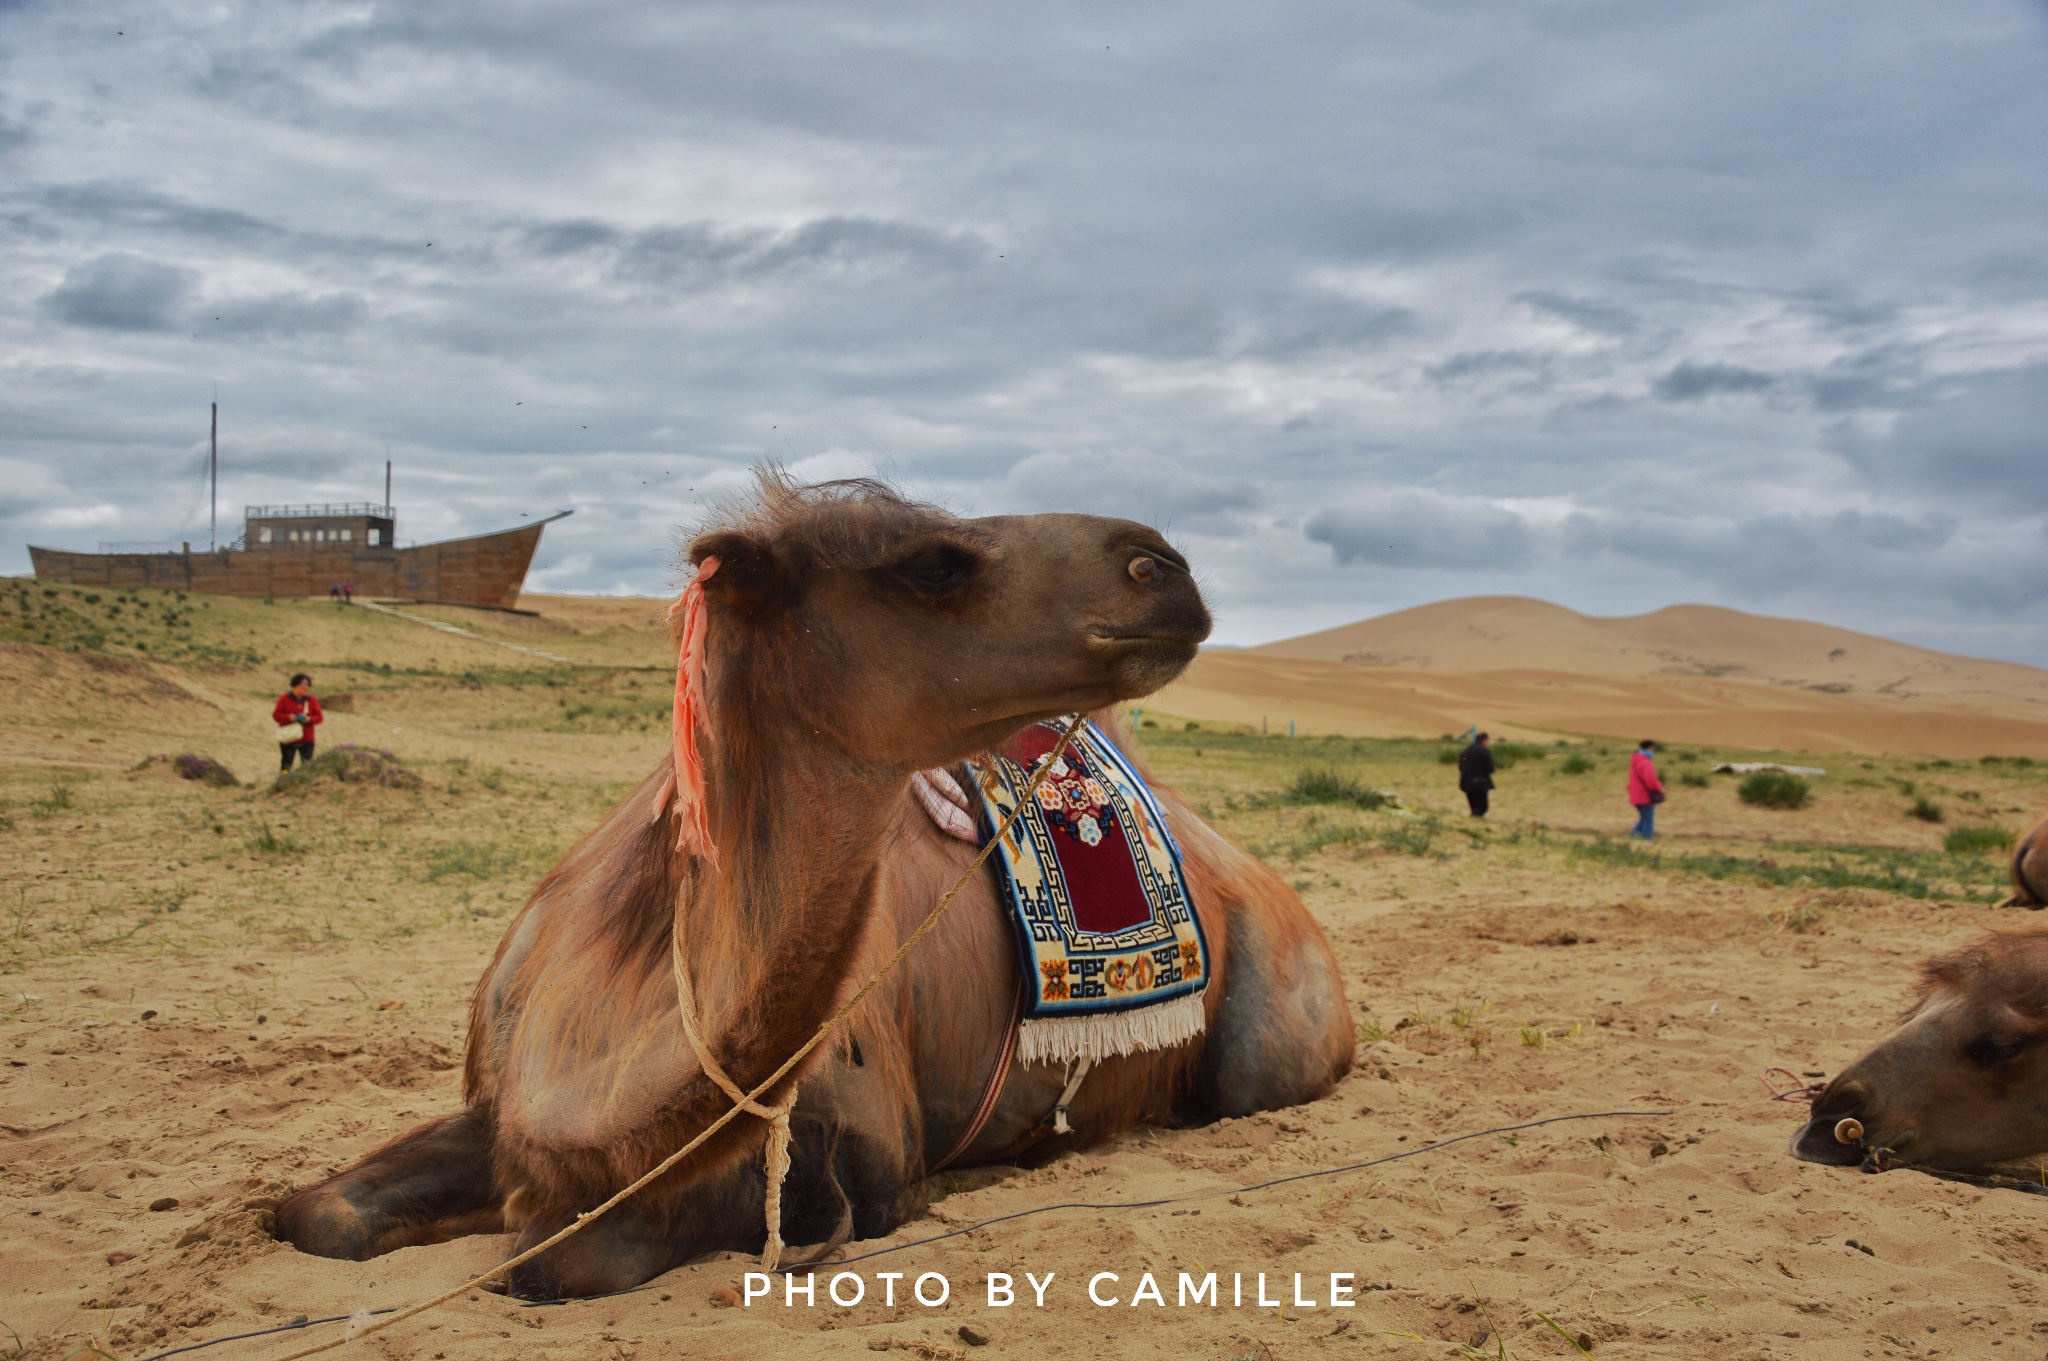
x,y
749,575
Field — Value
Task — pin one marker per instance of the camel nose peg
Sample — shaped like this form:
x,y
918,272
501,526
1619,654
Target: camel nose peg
x,y
1848,1130
1142,569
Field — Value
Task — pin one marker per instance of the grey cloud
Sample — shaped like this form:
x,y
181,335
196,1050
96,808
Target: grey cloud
x,y
570,238
287,314
1989,433
1136,484
1601,318
1769,557
136,207
1889,376
1483,364
121,291
1298,326
1424,529
1689,381
697,256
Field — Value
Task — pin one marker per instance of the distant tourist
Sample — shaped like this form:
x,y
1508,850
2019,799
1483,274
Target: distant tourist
x,y
334,592
296,714
1645,790
348,593
1475,774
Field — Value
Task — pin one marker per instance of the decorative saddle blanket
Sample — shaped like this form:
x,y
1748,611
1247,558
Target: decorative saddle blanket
x,y
1115,958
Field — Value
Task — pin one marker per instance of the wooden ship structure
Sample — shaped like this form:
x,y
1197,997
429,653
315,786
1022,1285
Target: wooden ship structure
x,y
307,549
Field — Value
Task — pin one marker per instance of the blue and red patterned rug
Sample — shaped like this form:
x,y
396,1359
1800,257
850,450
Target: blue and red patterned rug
x,y
1099,905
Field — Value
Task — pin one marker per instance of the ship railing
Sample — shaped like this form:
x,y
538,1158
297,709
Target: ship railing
x,y
144,546
328,509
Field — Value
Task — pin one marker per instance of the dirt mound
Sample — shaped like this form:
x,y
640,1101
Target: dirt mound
x,y
204,769
352,765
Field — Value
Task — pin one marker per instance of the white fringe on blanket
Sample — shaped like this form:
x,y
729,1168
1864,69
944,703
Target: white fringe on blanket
x,y
1062,1039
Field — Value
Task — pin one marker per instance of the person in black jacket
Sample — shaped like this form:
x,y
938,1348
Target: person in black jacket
x,y
1475,774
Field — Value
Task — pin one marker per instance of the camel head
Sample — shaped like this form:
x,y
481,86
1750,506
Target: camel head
x,y
907,637
1963,1081
2030,869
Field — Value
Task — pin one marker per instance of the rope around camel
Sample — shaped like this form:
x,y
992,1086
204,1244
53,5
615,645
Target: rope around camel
x,y
745,1102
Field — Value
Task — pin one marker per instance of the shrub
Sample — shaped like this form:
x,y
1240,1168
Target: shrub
x,y
1925,809
1505,754
1576,764
264,841
1447,757
1693,779
204,769
350,764
1976,840
1411,838
1323,784
1774,789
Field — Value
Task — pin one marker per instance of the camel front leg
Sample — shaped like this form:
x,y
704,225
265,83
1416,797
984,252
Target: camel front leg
x,y
428,1185
840,1186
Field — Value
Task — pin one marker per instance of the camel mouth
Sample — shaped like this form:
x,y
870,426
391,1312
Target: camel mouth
x,y
1144,639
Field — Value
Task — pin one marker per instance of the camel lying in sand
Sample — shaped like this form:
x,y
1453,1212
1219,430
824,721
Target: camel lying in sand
x,y
1963,1081
851,639
2030,869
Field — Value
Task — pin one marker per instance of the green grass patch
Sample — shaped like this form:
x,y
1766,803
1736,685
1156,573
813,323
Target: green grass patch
x,y
1977,839
1888,869
473,859
1329,785
1774,789
57,799
1575,764
1693,779
1925,809
266,841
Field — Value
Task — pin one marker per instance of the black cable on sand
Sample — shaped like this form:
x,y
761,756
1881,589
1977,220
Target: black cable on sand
x,y
1003,1219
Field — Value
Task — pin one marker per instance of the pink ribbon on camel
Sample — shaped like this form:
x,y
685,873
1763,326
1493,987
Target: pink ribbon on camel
x,y
684,789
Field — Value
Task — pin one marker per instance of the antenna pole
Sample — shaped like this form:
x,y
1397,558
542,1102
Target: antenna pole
x,y
213,483
387,484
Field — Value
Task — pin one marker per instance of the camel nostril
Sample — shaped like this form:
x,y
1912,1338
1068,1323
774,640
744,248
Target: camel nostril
x,y
1142,569
1848,1130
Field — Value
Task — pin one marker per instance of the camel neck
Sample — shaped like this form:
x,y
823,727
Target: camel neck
x,y
775,925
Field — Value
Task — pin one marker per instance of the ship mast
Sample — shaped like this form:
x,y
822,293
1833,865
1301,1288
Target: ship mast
x,y
213,484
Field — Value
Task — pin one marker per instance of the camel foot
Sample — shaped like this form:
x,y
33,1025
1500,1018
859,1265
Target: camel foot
x,y
428,1185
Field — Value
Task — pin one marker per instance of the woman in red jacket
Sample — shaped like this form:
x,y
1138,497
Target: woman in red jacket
x,y
296,712
1645,790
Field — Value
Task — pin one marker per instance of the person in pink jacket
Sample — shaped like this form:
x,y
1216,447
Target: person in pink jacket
x,y
1645,790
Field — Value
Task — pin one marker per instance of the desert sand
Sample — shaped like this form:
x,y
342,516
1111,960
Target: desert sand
x,y
214,994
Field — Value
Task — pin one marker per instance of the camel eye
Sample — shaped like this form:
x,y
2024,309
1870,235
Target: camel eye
x,y
937,571
1988,1051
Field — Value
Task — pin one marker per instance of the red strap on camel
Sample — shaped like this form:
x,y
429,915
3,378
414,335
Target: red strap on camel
x,y
992,1090
684,788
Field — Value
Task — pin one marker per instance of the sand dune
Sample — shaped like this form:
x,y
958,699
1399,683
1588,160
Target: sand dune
x,y
1690,673
1502,633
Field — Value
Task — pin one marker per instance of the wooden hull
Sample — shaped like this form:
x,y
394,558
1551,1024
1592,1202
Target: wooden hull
x,y
487,570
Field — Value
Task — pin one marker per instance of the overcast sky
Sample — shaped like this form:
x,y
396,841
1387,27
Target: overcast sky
x,y
1370,304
